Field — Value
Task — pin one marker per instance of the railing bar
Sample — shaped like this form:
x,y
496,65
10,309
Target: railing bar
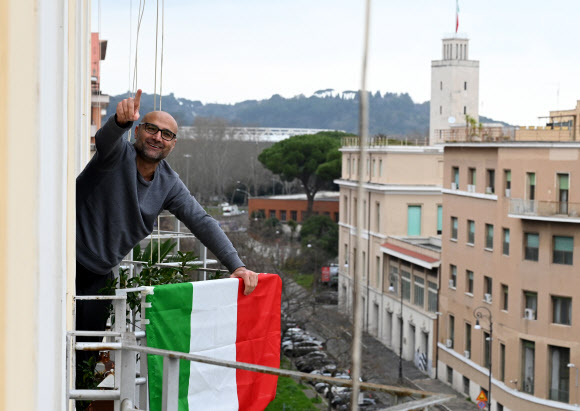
x,y
276,371
94,395
170,392
100,297
97,346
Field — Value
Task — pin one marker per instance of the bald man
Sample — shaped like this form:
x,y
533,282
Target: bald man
x,y
121,192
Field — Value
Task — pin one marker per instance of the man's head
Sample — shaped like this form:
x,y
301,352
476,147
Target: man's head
x,y
152,144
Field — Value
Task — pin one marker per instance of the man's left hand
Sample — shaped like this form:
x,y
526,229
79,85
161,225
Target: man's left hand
x,y
250,278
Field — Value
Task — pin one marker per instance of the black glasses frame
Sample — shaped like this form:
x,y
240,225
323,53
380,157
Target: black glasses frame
x,y
166,134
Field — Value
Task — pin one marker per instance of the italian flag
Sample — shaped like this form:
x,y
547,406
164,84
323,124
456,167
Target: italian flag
x,y
214,319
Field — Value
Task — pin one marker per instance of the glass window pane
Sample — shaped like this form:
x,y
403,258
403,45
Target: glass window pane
x,y
533,240
439,218
414,220
564,243
563,181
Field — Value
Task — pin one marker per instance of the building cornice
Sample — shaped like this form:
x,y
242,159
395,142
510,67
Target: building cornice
x,y
396,149
492,197
393,188
516,144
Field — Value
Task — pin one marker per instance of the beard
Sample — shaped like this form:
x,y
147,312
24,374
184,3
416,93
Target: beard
x,y
148,153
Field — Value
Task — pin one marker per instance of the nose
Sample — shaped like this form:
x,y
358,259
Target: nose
x,y
157,136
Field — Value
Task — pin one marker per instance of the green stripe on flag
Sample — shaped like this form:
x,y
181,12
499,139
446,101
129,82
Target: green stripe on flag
x,y
170,329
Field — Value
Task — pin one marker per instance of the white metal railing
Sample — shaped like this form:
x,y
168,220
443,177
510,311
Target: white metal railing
x,y
125,343
552,209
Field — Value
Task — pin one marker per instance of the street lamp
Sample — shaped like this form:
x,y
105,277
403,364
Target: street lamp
x,y
392,289
248,195
187,157
479,313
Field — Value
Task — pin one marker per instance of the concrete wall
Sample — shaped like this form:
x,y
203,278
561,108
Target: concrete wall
x,y
43,85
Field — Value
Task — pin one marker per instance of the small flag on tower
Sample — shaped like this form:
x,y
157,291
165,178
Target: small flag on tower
x,y
456,15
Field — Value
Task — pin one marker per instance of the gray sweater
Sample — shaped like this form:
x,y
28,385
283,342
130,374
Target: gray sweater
x,y
117,207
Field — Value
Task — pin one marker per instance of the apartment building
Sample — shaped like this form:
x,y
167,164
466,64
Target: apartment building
x,y
511,252
402,200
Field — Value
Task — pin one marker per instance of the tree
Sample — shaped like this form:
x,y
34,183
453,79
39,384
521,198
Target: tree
x,y
322,233
311,159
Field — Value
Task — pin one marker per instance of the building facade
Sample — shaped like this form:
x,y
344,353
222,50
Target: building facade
x,y
454,88
402,211
294,206
510,244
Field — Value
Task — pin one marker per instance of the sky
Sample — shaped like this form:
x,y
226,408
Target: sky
x,y
227,51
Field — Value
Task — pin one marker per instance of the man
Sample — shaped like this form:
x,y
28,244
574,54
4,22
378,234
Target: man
x,y
121,192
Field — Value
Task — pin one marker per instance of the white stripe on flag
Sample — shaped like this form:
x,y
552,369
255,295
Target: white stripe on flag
x,y
214,319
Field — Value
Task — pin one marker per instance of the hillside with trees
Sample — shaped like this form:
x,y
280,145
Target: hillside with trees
x,y
389,114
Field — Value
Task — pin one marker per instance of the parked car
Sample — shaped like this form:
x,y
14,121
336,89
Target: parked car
x,y
296,349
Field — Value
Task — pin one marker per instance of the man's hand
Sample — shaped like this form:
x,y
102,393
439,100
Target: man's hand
x,y
128,109
250,278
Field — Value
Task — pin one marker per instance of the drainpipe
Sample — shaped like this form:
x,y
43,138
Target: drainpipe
x,y
368,251
438,315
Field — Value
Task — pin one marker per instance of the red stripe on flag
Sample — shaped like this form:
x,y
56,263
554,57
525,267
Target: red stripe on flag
x,y
457,24
258,341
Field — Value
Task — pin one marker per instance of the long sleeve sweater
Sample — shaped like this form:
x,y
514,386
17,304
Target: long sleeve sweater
x,y
117,207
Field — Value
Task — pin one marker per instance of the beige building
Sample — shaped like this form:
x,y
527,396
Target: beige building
x,y
561,125
511,244
402,214
44,111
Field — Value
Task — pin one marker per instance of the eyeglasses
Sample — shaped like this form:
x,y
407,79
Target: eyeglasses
x,y
167,135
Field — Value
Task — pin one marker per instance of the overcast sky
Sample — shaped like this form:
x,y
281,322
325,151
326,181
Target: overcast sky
x,y
226,51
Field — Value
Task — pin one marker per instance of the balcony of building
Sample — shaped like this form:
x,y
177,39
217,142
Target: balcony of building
x,y
554,211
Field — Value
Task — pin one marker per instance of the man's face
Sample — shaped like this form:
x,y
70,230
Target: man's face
x,y
152,147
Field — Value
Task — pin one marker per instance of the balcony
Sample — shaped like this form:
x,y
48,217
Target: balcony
x,y
544,210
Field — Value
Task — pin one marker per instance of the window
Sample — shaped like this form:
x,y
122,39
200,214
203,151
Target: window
x,y
504,297
559,373
432,296
531,185
365,221
282,215
469,281
406,285
531,246
487,288
378,272
490,181
364,264
452,329
449,375
471,177
378,217
453,276
506,241
413,220
562,310
470,232
507,182
344,209
380,168
464,109
486,350
563,187
528,354
272,213
454,225
465,385
419,291
374,170
563,250
294,215
440,85
439,219
455,177
394,273
531,305
345,254
368,166
440,109
465,85
502,362
354,211
468,337
489,236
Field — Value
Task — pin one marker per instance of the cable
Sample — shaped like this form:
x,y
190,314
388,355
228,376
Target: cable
x,y
363,131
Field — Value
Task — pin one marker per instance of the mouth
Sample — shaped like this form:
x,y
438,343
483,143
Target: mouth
x,y
154,146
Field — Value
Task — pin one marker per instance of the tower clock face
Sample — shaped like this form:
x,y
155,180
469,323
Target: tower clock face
x,y
451,120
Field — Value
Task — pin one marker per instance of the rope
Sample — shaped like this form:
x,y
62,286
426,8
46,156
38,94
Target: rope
x,y
155,76
357,289
162,41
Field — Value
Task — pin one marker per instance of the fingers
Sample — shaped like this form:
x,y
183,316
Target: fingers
x,y
136,105
128,109
250,279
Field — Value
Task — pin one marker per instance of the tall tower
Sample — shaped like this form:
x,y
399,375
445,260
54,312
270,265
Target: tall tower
x,y
454,88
